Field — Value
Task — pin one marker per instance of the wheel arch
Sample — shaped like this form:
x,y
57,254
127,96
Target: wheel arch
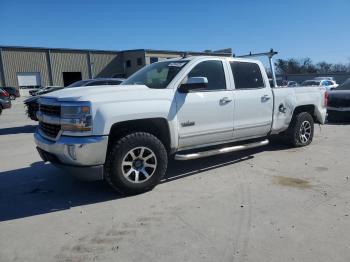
x,y
305,108
158,127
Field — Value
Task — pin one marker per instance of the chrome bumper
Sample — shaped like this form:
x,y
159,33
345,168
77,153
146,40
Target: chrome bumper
x,y
83,157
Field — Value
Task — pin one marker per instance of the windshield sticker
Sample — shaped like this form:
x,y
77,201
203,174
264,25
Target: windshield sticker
x,y
177,64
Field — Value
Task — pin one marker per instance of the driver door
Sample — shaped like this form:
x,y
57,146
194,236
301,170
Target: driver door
x,y
205,116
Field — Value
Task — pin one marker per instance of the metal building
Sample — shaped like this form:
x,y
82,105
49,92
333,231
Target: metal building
x,y
35,66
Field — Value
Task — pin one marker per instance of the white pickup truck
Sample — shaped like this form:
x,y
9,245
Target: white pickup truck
x,y
187,108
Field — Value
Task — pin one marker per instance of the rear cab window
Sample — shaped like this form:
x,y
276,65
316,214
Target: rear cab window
x,y
247,75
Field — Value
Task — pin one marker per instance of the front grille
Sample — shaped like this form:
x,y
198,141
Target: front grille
x,y
35,106
51,110
49,129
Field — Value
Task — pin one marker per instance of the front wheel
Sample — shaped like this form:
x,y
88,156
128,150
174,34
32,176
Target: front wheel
x,y
136,163
301,130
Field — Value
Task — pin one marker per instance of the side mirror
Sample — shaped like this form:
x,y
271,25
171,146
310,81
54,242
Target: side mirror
x,y
193,83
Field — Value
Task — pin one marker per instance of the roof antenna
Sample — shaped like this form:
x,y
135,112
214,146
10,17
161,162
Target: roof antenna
x,y
185,55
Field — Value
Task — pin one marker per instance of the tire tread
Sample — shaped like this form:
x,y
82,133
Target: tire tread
x,y
116,147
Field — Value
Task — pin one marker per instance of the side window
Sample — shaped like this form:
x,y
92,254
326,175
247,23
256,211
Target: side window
x,y
247,75
213,70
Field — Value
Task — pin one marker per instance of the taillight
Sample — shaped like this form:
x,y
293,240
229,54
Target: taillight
x,y
4,93
326,98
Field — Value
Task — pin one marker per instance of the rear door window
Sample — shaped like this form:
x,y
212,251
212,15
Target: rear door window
x,y
247,75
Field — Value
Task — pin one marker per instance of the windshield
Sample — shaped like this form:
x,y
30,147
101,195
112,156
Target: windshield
x,y
156,75
311,83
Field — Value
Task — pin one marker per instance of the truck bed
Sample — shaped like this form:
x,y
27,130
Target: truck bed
x,y
286,99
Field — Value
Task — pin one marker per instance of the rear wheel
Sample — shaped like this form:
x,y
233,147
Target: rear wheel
x,y
136,163
12,97
0,110
301,130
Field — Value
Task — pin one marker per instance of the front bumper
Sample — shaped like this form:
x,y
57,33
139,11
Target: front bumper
x,y
83,157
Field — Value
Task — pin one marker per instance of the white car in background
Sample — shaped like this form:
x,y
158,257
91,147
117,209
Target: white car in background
x,y
328,84
324,78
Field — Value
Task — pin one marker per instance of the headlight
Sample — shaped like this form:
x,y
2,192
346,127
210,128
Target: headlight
x,y
76,118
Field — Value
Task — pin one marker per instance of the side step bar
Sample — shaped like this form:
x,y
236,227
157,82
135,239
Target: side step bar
x,y
220,150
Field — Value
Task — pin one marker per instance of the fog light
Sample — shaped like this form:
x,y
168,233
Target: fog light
x,y
71,151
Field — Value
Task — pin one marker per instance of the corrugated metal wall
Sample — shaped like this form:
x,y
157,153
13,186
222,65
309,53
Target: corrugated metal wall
x,y
160,57
106,64
133,56
103,63
20,61
65,61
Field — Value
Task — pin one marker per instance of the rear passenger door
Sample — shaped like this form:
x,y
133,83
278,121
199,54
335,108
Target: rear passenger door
x,y
253,101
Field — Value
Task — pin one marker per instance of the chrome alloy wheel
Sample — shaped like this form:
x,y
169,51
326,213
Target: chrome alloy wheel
x,y
139,164
305,132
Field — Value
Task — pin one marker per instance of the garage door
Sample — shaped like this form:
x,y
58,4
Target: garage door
x,y
28,79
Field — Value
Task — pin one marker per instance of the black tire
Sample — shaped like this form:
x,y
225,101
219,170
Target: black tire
x,y
0,110
12,97
118,153
297,136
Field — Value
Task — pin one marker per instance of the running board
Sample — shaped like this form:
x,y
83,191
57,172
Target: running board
x,y
220,150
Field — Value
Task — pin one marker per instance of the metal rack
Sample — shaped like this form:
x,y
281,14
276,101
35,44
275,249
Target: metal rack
x,y
269,55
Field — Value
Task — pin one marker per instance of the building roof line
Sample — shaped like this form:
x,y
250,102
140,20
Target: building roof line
x,y
59,49
113,51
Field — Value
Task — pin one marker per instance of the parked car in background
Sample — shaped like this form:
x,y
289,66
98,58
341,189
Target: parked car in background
x,y
32,102
339,102
292,84
33,91
5,101
98,82
12,91
49,90
283,83
324,78
44,90
328,84
280,83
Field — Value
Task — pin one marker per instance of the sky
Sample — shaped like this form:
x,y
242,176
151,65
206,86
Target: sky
x,y
319,29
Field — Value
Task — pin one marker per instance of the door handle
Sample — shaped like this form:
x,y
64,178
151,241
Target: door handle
x,y
225,100
265,98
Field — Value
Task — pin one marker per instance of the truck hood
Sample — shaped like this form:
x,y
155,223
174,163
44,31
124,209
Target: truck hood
x,y
107,94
